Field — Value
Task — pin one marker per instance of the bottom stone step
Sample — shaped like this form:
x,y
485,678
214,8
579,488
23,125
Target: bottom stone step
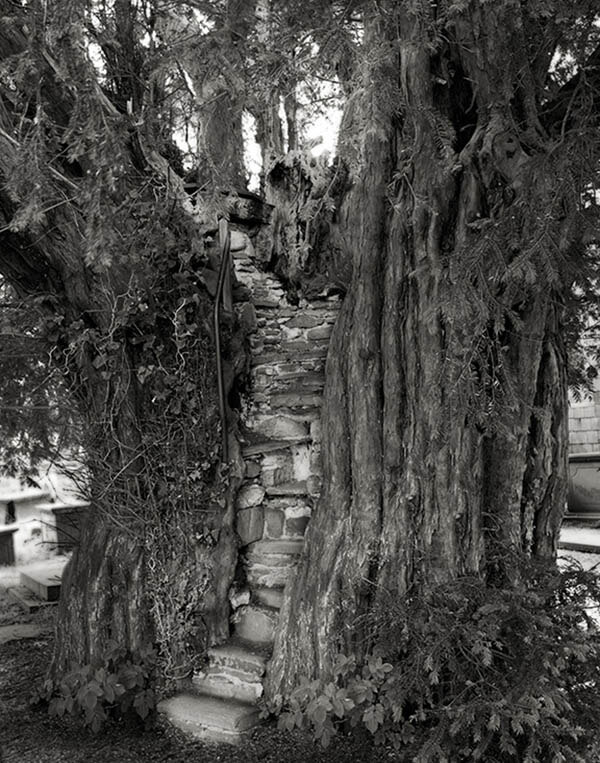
x,y
209,718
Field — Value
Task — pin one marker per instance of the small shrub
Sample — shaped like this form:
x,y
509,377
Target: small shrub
x,y
120,684
466,671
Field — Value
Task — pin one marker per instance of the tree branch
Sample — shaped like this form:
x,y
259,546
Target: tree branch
x,y
583,86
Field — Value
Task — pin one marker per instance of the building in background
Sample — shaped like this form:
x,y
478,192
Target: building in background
x,y
584,455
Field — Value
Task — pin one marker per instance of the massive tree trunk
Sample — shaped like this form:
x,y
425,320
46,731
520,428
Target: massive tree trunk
x,y
103,240
445,404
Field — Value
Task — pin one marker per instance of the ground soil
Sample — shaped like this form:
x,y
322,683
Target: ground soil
x,y
29,735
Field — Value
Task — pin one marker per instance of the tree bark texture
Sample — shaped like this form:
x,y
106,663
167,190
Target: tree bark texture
x,y
445,403
129,308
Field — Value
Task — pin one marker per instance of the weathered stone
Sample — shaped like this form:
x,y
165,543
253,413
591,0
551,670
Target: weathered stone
x,y
277,467
250,495
269,563
238,241
313,485
238,598
270,597
288,488
252,469
269,446
296,525
297,345
257,624
279,427
226,682
247,318
274,519
291,333
21,631
277,547
238,657
250,524
319,332
296,401
304,320
209,718
270,576
265,300
301,459
315,431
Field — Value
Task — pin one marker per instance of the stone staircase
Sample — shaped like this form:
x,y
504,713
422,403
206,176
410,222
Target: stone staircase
x,y
281,451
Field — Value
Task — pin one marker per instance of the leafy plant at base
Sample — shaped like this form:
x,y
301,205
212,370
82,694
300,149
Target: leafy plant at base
x,y
465,671
122,683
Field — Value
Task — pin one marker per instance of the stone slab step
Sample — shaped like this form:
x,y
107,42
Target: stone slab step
x,y
275,426
316,356
288,488
257,623
239,656
273,571
210,718
271,446
269,597
228,683
270,563
279,547
27,600
272,386
295,400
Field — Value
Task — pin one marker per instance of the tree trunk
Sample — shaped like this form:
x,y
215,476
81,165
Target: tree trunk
x,y
121,271
445,403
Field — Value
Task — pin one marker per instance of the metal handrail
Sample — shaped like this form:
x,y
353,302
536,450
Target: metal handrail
x,y
225,243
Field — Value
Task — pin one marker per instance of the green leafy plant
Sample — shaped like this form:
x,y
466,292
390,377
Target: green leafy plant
x,y
119,684
482,673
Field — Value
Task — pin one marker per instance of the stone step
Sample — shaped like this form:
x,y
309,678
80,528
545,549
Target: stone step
x,y
274,385
288,488
277,547
271,446
223,680
270,563
309,318
241,656
257,623
289,400
316,356
269,597
264,408
210,718
276,426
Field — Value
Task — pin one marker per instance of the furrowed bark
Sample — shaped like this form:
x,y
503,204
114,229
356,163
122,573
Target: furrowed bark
x,y
141,550
445,402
